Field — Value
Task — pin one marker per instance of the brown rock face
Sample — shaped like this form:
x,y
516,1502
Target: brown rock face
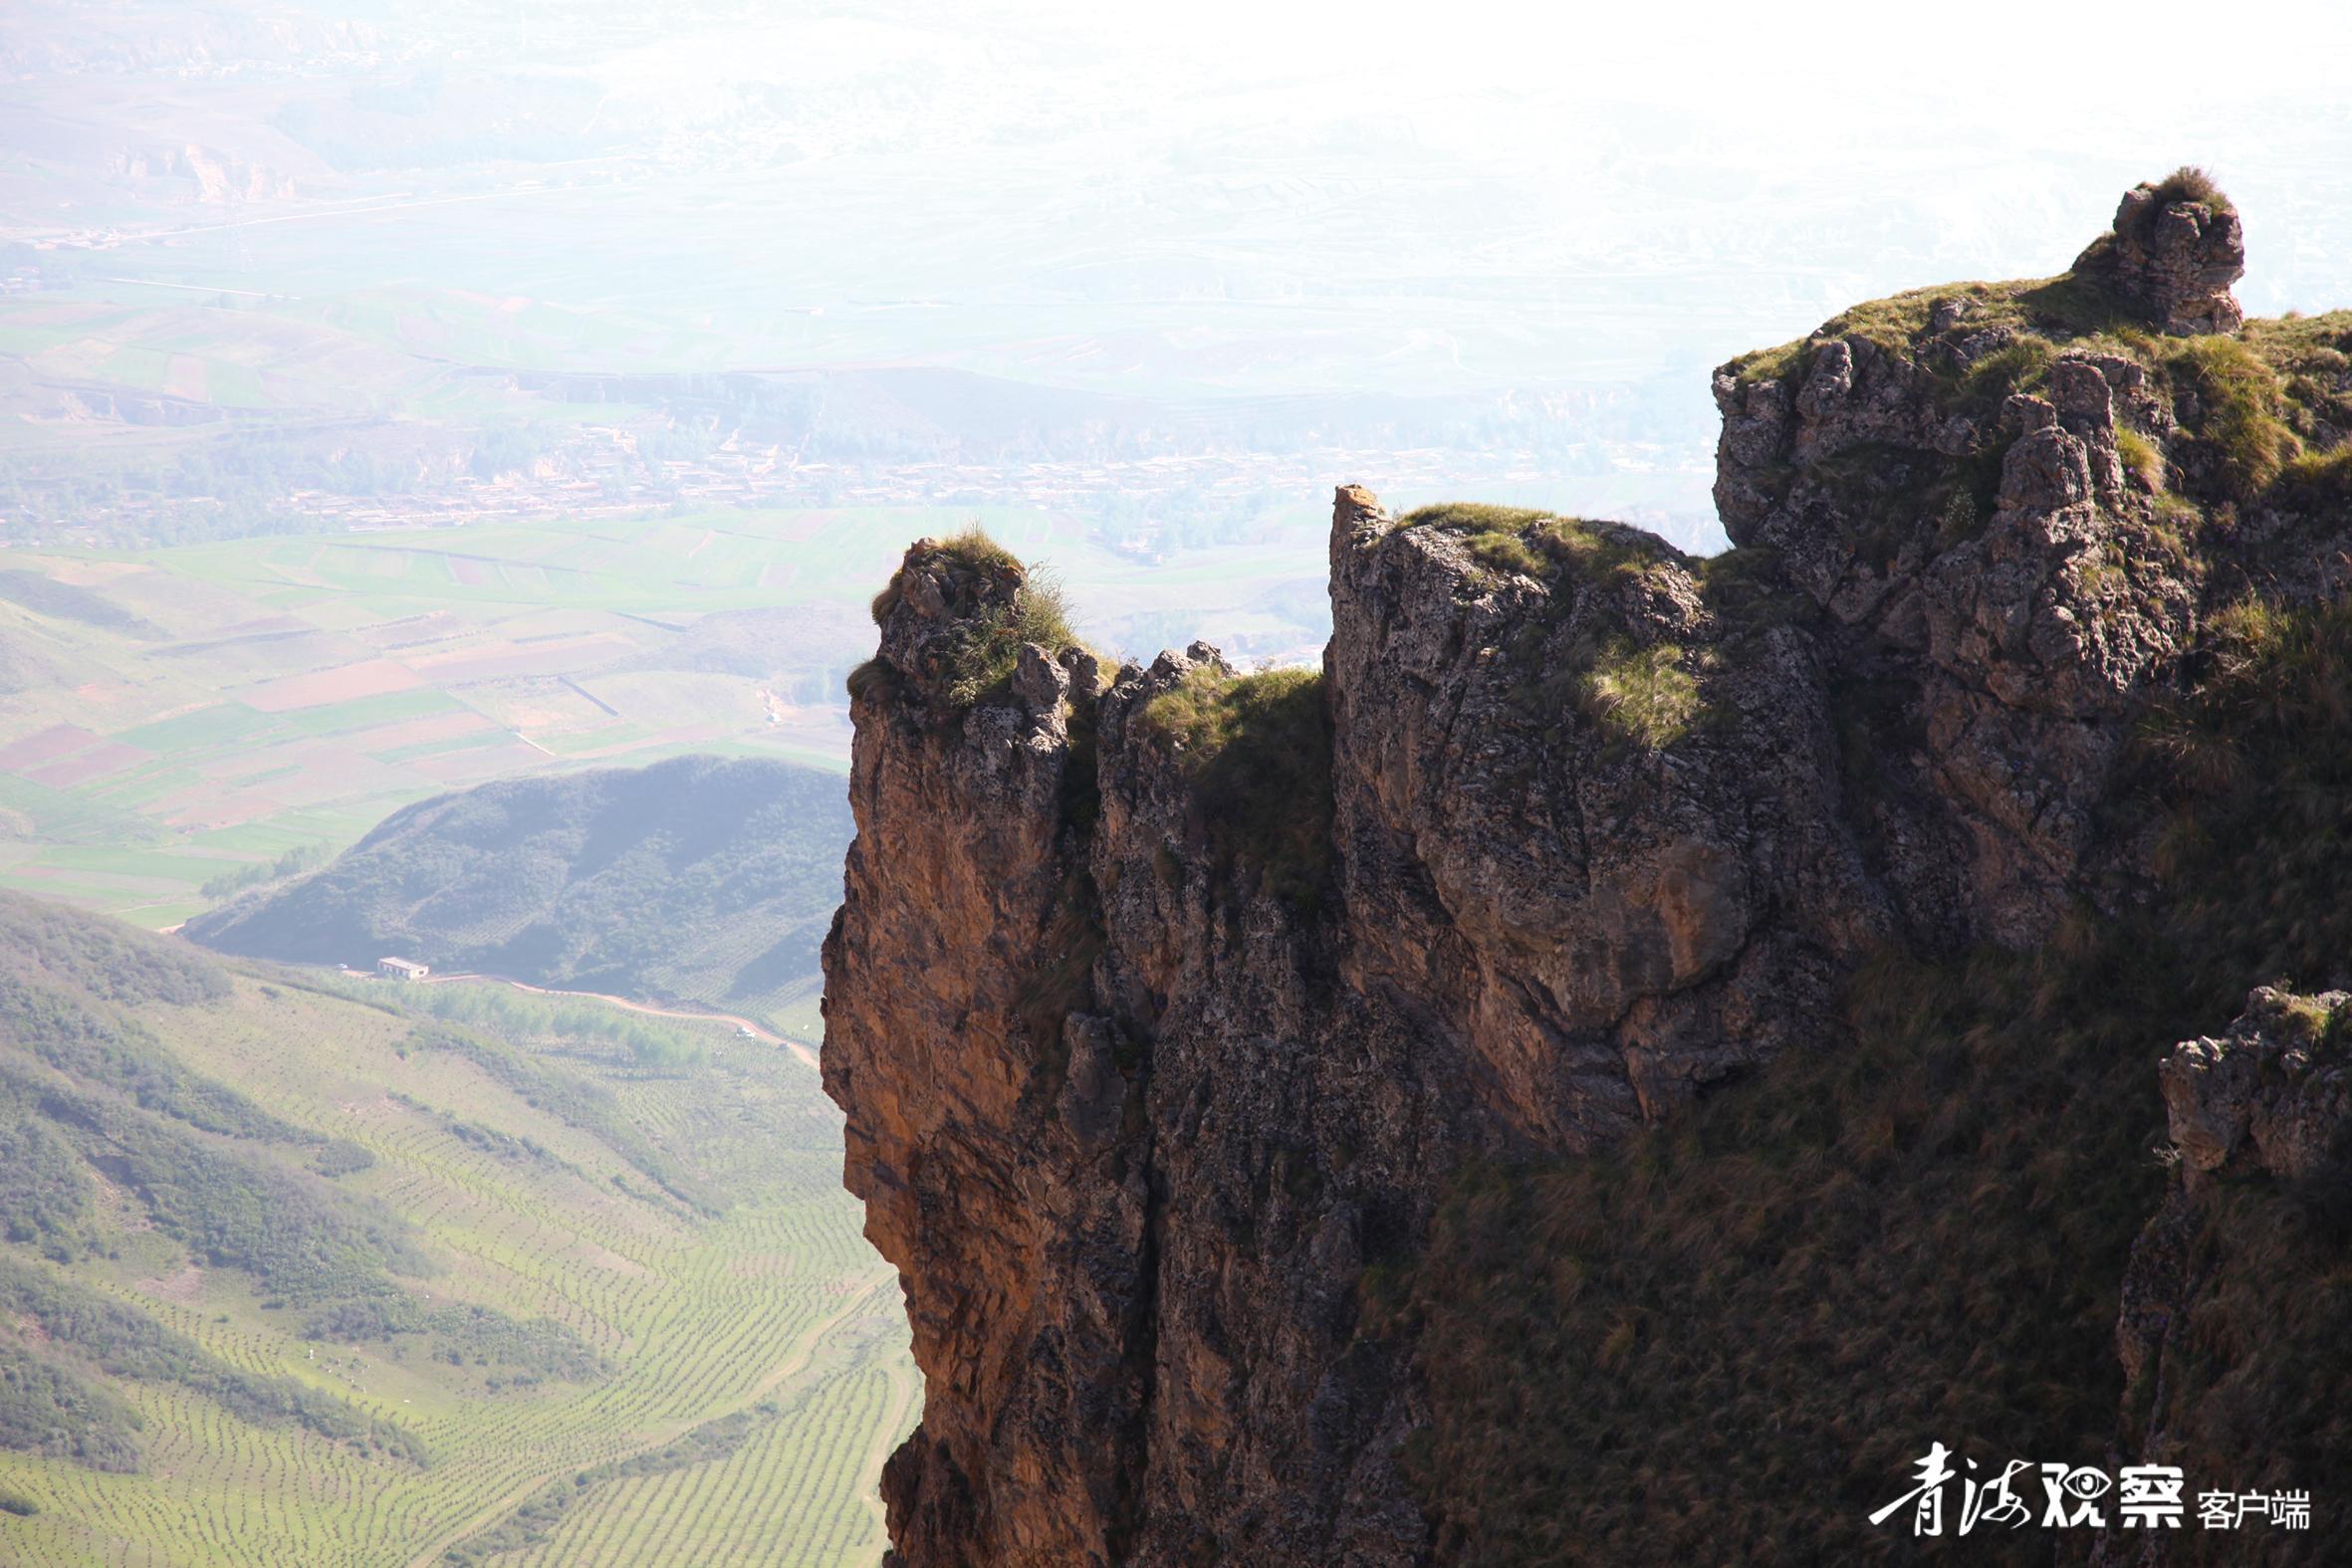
x,y
1139,1087
1991,642
1133,1127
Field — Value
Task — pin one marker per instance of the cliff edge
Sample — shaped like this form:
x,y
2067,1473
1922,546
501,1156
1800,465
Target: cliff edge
x,y
1268,1085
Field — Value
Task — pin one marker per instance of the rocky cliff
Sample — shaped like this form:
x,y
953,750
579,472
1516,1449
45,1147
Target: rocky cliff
x,y
1215,1048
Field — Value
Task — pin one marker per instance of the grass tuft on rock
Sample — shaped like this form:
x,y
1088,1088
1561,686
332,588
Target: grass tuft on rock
x,y
2318,479
2143,459
1645,696
2190,183
983,649
2241,429
1258,750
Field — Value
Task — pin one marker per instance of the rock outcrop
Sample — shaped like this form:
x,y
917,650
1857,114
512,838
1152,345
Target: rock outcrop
x,y
2175,250
1164,1001
2274,1095
2267,1104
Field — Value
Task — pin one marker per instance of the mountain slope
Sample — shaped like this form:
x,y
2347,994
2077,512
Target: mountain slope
x,y
1638,1049
292,1274
701,879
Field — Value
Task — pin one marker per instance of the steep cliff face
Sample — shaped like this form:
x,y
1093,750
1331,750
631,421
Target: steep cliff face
x,y
1169,1005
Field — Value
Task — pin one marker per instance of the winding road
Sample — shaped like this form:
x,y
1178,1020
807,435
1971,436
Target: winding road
x,y
702,1013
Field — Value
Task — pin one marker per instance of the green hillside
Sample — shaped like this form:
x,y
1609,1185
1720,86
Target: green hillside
x,y
701,879
298,1272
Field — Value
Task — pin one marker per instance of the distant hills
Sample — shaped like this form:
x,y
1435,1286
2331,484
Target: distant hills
x,y
701,879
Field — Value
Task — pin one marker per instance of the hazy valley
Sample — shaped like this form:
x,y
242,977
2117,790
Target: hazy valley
x,y
1755,908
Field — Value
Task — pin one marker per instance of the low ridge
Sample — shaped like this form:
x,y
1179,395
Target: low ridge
x,y
700,879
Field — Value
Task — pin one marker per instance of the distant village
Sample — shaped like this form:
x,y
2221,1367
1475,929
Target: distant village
x,y
1153,504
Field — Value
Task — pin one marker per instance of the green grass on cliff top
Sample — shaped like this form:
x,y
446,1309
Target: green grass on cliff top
x,y
2064,307
1257,750
2269,405
985,648
1538,543
1642,695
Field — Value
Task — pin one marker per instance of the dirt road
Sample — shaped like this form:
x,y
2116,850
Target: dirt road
x,y
803,1051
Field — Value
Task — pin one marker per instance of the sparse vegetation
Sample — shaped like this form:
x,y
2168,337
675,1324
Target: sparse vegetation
x,y
2317,479
2021,365
531,1524
46,1410
2241,429
576,1100
47,595
986,646
2143,459
473,1333
75,1040
2188,184
1039,607
298,1239
44,1196
1888,495
1726,1337
702,878
2313,356
1257,749
1538,544
294,862
121,1342
1743,588
578,1028
2059,308
875,678
1646,696
110,960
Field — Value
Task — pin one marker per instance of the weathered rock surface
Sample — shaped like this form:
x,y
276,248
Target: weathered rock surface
x,y
1607,825
2272,1095
2269,1100
2178,258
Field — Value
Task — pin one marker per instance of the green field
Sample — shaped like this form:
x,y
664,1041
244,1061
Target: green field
x,y
297,691
293,691
750,1358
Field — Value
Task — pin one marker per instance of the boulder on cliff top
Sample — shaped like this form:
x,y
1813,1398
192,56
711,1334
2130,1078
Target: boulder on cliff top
x,y
2176,249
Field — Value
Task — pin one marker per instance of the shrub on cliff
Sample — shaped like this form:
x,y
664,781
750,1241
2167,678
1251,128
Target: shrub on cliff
x,y
982,651
2190,183
972,548
978,653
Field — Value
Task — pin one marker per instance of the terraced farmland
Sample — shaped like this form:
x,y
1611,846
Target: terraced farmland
x,y
750,1370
